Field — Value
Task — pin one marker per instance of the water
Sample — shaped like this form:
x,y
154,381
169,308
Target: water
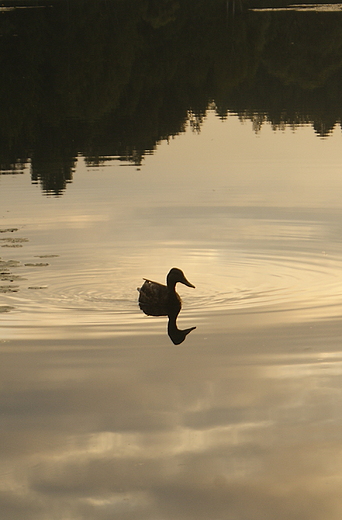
x,y
102,416
101,412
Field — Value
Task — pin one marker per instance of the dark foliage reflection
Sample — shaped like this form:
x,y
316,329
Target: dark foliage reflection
x,y
105,79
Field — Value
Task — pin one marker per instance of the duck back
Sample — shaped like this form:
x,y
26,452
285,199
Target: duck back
x,y
156,299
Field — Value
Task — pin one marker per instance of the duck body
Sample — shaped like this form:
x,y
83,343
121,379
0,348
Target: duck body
x,y
157,299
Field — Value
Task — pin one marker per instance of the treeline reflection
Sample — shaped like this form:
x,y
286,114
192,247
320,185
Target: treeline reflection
x,y
113,78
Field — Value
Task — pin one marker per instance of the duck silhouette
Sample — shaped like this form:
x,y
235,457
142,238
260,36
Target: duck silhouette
x,y
157,299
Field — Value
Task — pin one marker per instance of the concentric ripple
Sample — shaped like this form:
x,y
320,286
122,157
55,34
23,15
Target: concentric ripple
x,y
273,280
81,290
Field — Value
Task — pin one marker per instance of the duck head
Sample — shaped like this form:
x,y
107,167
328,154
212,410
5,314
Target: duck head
x,y
175,276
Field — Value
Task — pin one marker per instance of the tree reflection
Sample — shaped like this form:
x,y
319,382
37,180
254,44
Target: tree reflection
x,y
105,79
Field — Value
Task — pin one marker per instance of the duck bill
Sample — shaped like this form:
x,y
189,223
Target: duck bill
x,y
186,282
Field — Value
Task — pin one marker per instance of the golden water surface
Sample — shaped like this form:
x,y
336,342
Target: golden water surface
x,y
102,416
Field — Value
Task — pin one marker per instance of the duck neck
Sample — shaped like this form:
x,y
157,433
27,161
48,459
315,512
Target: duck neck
x,y
171,285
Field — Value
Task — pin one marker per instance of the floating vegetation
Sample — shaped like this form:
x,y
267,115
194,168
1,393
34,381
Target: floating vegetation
x,y
14,7
327,8
6,308
14,240
9,277
8,288
38,264
46,256
9,263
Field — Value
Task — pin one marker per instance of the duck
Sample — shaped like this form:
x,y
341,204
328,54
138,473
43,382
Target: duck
x,y
156,299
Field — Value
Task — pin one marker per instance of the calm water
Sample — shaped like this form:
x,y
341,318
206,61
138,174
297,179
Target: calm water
x,y
102,416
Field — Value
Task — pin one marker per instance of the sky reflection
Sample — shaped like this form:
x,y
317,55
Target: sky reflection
x,y
125,432
102,417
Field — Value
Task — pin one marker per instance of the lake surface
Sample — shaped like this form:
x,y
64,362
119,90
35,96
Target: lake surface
x,y
102,415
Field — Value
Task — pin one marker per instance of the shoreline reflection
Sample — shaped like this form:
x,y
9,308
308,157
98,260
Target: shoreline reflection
x,y
118,112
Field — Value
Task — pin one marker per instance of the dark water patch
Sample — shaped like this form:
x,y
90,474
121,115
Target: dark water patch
x,y
6,308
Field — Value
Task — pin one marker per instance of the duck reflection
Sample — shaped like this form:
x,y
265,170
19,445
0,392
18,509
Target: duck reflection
x,y
156,299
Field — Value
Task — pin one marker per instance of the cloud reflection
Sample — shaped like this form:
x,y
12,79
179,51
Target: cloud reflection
x,y
202,432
